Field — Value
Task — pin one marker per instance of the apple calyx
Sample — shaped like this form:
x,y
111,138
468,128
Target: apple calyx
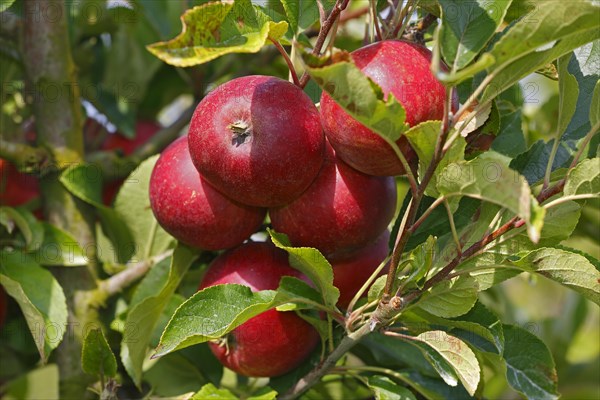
x,y
241,131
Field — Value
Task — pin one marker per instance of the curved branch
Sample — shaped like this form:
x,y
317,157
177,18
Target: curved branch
x,y
115,167
25,157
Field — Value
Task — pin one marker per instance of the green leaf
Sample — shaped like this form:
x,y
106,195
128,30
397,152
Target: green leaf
x,y
298,292
510,140
420,260
96,356
489,178
59,248
423,138
569,269
5,4
530,43
467,27
376,289
150,239
302,14
215,29
361,98
40,297
458,354
212,313
144,316
311,263
183,377
209,391
28,225
529,364
568,91
40,383
450,298
85,183
385,389
584,178
479,327
595,106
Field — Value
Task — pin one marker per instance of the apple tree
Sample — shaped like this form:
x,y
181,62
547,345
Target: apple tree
x,y
316,199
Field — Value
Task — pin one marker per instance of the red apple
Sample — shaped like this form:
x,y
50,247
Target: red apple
x,y
191,210
403,69
16,188
258,140
274,342
342,210
350,274
144,130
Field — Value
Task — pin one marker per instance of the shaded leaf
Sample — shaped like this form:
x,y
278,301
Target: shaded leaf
x,y
59,248
28,225
96,356
529,364
385,389
40,297
144,316
467,27
311,263
149,238
584,178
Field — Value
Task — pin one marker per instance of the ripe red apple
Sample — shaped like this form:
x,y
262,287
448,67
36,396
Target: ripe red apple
x,y
16,188
258,140
403,69
342,210
350,274
274,342
191,210
144,130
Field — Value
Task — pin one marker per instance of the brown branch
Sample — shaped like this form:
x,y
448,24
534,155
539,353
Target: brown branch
x,y
339,6
25,157
116,167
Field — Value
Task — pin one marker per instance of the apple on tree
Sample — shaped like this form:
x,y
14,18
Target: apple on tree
x,y
274,342
342,211
191,210
403,69
16,188
258,140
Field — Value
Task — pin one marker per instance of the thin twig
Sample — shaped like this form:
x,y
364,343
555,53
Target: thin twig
x,y
339,6
288,61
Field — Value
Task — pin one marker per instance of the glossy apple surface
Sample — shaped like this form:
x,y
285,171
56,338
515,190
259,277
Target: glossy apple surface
x,y
16,188
341,211
400,68
351,273
258,140
274,342
191,210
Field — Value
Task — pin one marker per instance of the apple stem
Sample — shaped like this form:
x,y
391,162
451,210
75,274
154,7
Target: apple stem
x,y
241,131
288,61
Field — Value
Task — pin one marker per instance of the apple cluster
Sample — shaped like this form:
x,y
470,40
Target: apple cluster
x,y
258,144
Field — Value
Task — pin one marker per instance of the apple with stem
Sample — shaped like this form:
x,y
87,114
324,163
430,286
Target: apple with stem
x,y
343,210
258,140
403,69
191,210
271,343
